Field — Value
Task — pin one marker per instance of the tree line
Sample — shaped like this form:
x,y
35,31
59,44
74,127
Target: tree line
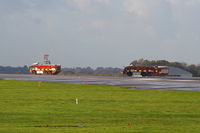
x,y
194,69
13,70
89,70
65,71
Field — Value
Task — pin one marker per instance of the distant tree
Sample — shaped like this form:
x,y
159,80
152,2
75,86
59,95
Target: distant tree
x,y
193,70
161,62
89,70
13,70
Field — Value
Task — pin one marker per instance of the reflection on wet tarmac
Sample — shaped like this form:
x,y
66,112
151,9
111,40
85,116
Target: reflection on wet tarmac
x,y
134,83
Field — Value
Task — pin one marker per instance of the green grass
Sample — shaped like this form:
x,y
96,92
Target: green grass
x,y
25,105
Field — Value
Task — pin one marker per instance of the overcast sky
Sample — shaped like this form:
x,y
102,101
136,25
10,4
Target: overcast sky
x,y
99,32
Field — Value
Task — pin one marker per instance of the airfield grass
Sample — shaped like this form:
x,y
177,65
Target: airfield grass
x,y
36,107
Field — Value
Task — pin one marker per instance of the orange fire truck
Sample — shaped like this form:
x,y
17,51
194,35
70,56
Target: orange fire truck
x,y
46,68
146,70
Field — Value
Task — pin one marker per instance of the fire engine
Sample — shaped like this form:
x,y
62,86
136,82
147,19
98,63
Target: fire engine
x,y
45,68
146,70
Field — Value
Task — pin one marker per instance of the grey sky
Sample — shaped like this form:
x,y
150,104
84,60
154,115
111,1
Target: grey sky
x,y
98,32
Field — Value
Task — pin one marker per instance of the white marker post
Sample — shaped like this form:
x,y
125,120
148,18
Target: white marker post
x,y
76,100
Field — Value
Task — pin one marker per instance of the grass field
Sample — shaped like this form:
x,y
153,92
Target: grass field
x,y
32,107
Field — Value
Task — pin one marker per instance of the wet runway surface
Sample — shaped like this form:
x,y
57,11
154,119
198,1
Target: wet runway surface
x,y
134,83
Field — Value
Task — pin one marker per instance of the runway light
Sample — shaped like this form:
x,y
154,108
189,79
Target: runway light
x,y
76,100
39,83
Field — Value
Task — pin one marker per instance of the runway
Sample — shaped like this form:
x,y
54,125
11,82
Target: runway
x,y
132,83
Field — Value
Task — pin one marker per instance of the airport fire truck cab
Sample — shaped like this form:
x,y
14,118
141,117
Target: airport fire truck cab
x,y
146,70
46,68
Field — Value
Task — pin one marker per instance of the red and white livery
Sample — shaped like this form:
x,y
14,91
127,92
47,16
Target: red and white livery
x,y
146,70
46,68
